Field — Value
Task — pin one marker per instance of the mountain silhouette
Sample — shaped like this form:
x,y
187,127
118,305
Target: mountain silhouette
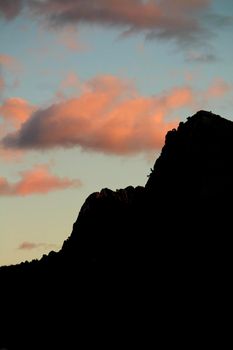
x,y
141,264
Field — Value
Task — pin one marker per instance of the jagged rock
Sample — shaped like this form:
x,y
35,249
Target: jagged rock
x,y
195,161
100,232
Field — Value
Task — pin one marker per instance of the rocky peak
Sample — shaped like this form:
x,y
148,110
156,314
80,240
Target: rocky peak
x,y
196,157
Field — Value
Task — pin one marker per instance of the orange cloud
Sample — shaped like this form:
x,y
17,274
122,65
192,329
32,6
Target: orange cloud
x,y
16,110
36,181
109,116
30,245
13,112
219,88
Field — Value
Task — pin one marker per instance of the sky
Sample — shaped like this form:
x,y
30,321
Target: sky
x,y
88,90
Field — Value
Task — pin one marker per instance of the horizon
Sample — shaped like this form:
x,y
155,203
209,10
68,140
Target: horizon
x,y
86,102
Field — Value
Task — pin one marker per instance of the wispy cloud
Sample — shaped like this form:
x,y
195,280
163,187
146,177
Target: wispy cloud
x,y
2,84
69,86
179,20
69,38
188,23
9,62
219,20
13,112
218,89
36,181
30,245
200,56
16,110
168,19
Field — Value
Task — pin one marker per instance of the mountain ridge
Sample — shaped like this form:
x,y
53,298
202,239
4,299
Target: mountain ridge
x,y
173,144
158,247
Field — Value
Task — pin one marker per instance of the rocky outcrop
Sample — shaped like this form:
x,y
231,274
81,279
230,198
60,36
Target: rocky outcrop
x,y
196,159
104,226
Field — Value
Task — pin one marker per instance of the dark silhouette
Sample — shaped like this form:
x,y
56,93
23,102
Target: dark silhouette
x,y
141,264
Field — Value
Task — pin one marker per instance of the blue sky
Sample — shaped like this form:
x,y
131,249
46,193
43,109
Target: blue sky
x,y
87,94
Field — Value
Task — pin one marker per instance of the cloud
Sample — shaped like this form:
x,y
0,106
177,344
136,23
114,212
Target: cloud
x,y
218,89
109,116
70,85
30,245
180,20
10,8
2,84
167,19
36,181
71,81
69,38
9,62
16,110
219,20
201,57
13,112
186,22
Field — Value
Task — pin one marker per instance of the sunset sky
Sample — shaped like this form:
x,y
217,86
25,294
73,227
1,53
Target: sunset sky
x,y
88,90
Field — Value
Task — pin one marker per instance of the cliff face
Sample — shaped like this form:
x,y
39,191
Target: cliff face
x,y
156,246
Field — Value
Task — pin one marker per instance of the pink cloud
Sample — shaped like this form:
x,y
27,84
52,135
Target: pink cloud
x,y
70,85
109,116
6,60
2,84
186,22
69,38
10,155
219,88
30,245
36,181
13,112
16,110
9,62
71,80
167,19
